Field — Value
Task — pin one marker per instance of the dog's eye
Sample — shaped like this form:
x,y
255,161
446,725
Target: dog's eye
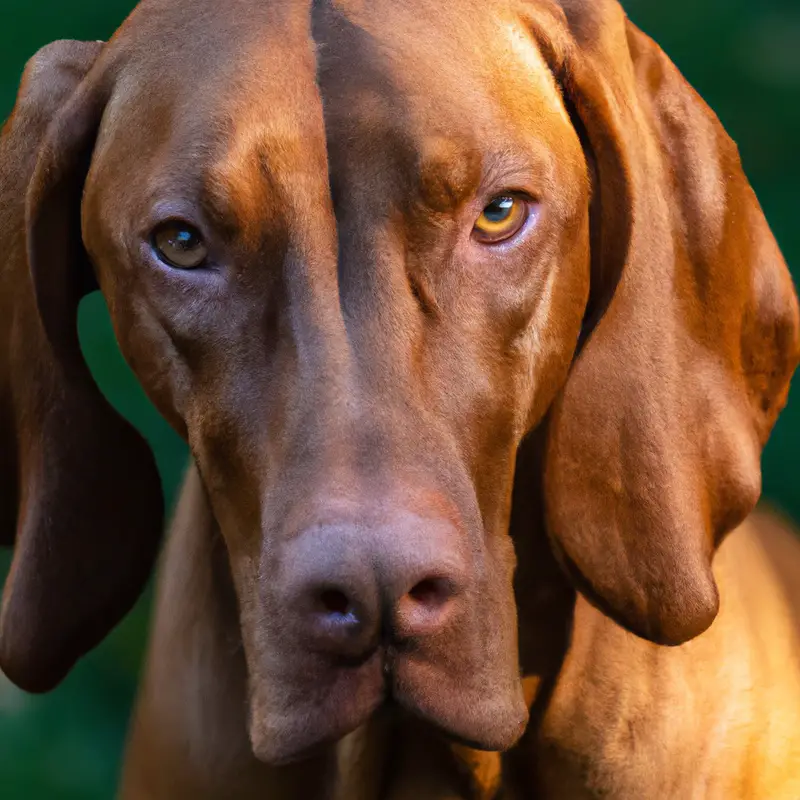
x,y
501,219
180,245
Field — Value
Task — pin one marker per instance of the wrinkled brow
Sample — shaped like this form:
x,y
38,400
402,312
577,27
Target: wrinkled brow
x,y
449,172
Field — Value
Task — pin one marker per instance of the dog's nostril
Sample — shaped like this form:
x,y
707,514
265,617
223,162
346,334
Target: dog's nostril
x,y
426,608
334,601
340,621
430,592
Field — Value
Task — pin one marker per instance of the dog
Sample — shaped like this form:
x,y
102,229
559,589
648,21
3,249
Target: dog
x,y
475,330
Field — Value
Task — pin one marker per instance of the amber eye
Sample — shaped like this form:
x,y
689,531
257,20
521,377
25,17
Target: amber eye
x,y
501,219
180,245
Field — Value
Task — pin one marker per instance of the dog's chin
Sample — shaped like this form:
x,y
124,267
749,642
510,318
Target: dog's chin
x,y
481,711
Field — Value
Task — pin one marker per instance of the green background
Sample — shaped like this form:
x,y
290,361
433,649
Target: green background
x,y
743,56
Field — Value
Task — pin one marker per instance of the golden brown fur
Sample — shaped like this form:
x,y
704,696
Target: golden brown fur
x,y
449,499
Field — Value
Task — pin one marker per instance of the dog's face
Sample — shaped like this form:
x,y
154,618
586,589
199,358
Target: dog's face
x,y
349,251
354,283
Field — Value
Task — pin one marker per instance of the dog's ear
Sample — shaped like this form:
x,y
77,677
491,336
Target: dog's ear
x,y
654,445
80,495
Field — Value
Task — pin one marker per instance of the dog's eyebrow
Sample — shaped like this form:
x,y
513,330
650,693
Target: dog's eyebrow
x,y
449,172
239,189
517,166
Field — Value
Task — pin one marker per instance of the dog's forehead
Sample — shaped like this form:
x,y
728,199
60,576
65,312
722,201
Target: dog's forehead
x,y
469,67
225,97
462,62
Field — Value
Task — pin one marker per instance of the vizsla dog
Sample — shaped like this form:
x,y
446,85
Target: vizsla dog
x,y
476,331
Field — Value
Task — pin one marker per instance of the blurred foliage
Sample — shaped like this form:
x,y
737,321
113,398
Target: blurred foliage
x,y
743,58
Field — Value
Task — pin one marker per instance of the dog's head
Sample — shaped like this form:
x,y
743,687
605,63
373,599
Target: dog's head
x,y
355,253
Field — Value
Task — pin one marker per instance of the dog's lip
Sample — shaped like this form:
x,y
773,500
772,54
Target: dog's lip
x,y
391,701
388,708
296,714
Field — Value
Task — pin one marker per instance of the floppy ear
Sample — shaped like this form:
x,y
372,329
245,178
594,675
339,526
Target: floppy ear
x,y
79,486
653,447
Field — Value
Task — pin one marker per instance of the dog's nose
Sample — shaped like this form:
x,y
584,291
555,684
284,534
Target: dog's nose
x,y
356,586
